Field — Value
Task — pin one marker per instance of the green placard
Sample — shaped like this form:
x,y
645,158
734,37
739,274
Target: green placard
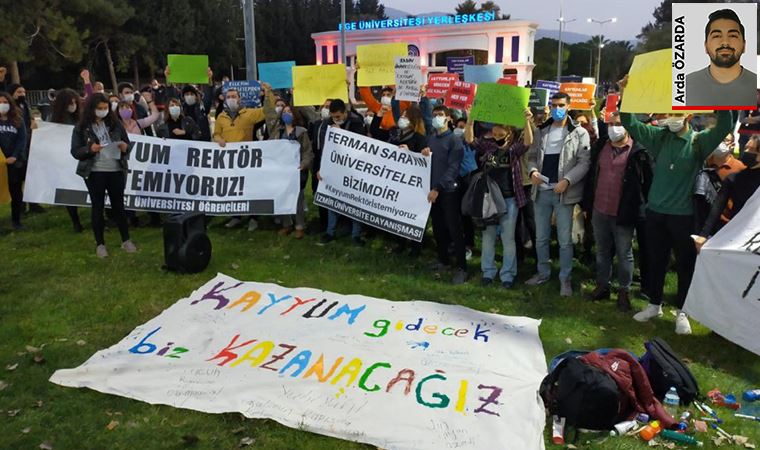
x,y
539,97
502,104
188,69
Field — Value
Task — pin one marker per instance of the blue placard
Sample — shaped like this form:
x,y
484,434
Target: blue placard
x,y
489,73
278,74
552,86
250,92
455,64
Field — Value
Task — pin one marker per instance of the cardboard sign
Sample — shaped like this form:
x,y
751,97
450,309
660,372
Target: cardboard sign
x,y
455,64
188,69
489,73
508,79
460,95
250,92
581,95
440,83
377,63
278,74
503,104
312,85
408,78
649,87
611,106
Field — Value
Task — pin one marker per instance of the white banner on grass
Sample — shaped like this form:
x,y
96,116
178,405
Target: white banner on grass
x,y
399,375
169,175
374,182
725,291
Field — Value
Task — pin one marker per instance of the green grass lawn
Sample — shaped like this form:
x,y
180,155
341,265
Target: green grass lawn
x,y
55,292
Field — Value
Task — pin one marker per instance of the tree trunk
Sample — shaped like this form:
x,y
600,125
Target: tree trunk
x,y
136,71
15,76
111,70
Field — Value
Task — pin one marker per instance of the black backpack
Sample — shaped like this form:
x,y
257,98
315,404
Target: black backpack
x,y
585,396
665,370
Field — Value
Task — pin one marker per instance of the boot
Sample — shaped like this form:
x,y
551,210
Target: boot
x,y
623,301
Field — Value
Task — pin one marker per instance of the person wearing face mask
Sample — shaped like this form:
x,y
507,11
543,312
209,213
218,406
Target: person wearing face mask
x,y
236,124
722,158
67,110
176,125
19,95
368,118
197,106
102,172
287,123
737,189
619,178
678,153
113,100
127,94
500,158
13,137
446,150
134,125
558,162
386,98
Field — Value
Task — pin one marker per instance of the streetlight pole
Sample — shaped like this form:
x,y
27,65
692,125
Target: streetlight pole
x,y
342,31
561,21
601,41
249,24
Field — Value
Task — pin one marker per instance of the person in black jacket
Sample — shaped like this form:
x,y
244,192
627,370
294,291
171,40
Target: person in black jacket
x,y
176,125
315,131
18,92
620,176
67,110
100,143
13,139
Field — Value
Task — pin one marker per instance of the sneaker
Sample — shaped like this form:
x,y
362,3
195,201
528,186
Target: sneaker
x,y
232,223
252,224
682,324
507,284
644,295
623,301
129,247
536,280
650,312
468,254
599,293
485,281
101,251
566,289
284,231
298,234
359,241
528,245
326,239
460,277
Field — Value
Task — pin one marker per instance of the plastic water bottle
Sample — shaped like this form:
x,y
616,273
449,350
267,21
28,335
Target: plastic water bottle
x,y
752,395
672,400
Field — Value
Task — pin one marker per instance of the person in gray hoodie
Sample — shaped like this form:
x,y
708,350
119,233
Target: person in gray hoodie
x,y
557,164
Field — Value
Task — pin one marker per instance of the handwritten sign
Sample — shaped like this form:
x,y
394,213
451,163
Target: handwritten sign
x,y
249,90
312,85
440,83
581,95
611,106
455,64
188,69
377,63
408,78
278,74
401,375
648,90
489,73
503,104
460,95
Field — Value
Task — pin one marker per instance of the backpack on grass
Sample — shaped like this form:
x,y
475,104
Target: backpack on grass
x,y
665,370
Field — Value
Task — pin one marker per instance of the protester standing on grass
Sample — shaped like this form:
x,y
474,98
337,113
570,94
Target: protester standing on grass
x,y
103,171
67,110
176,125
678,153
13,137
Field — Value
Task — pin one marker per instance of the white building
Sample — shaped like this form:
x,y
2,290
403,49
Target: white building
x,y
509,42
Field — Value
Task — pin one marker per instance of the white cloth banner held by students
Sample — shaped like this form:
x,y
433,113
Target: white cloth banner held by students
x,y
398,375
174,176
725,292
408,78
374,182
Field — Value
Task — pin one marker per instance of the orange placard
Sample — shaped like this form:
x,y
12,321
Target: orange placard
x,y
581,95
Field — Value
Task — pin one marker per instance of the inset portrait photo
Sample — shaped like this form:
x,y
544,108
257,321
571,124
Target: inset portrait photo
x,y
714,56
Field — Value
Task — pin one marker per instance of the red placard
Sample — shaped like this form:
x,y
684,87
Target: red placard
x,y
508,79
439,84
611,106
461,95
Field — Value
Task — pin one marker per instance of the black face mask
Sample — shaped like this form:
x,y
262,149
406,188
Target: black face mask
x,y
500,142
21,99
749,159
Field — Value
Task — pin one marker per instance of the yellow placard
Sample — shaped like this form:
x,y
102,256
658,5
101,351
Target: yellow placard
x,y
5,195
312,85
377,63
649,87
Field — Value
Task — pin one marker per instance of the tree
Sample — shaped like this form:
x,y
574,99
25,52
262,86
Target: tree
x,y
470,7
467,7
545,57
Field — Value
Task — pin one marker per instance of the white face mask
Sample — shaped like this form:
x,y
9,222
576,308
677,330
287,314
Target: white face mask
x,y
174,111
129,98
386,101
675,126
101,113
459,131
325,113
339,122
232,104
190,100
72,108
439,122
403,123
368,120
616,133
4,108
278,109
114,105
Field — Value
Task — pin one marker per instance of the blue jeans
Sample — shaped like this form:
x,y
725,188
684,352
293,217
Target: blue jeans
x,y
332,222
548,202
507,225
612,239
